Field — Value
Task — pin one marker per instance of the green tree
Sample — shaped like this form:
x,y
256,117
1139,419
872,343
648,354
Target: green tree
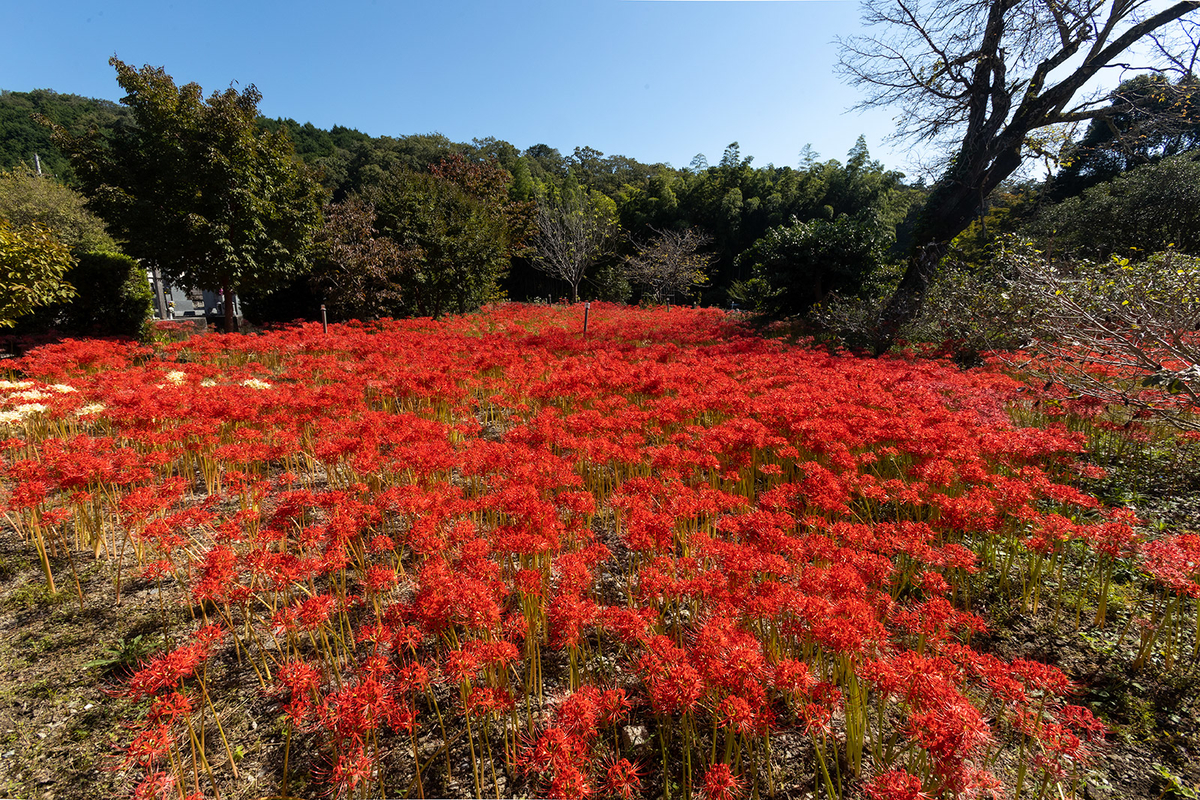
x,y
1150,117
197,188
32,265
26,197
1150,208
794,266
24,141
460,244
112,298
359,274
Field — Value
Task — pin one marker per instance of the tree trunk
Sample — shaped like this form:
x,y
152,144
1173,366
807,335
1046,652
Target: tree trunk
x,y
230,319
948,211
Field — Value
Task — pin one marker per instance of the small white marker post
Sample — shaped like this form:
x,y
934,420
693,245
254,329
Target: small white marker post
x,y
586,308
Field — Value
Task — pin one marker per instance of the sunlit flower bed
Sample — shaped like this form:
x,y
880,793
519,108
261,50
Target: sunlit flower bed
x,y
498,556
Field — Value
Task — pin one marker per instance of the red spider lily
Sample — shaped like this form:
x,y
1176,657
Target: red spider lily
x,y
157,786
614,705
301,681
895,785
166,710
570,782
485,700
349,771
580,712
167,670
621,779
721,784
553,751
780,514
951,733
149,746
673,684
1174,561
217,574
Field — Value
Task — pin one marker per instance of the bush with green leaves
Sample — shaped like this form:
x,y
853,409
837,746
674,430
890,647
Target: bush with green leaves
x,y
33,264
113,298
796,266
1146,210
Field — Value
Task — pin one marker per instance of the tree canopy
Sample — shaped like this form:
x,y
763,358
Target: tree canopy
x,y
26,197
197,188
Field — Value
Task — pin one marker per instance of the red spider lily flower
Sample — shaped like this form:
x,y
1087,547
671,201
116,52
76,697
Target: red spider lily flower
x,y
217,574
157,786
167,709
167,670
673,684
793,676
951,734
895,785
301,681
570,782
156,570
413,677
485,700
721,784
361,707
349,771
570,617
148,746
621,779
552,751
314,612
1174,561
580,712
614,705
379,579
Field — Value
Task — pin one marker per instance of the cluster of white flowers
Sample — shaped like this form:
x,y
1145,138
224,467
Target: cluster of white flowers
x,y
255,383
176,377
90,409
24,395
17,414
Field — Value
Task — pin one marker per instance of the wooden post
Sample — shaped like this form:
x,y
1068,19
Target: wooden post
x,y
586,308
324,319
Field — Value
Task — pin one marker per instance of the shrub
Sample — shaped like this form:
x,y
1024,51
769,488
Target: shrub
x,y
113,298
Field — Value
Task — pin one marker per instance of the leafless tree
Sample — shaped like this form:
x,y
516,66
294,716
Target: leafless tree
x,y
573,233
670,262
978,76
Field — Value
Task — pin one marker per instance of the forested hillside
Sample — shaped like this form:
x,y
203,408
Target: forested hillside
x,y
824,235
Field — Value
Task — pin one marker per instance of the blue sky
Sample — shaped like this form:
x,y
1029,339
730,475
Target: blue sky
x,y
657,80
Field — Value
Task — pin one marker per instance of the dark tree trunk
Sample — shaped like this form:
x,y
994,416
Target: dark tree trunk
x,y
230,319
951,206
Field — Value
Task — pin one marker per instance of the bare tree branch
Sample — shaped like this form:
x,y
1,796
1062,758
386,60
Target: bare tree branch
x,y
670,262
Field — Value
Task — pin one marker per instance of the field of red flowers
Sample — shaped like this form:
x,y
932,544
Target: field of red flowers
x,y
497,556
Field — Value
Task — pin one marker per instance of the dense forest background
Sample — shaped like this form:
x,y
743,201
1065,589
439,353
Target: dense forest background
x,y
407,214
